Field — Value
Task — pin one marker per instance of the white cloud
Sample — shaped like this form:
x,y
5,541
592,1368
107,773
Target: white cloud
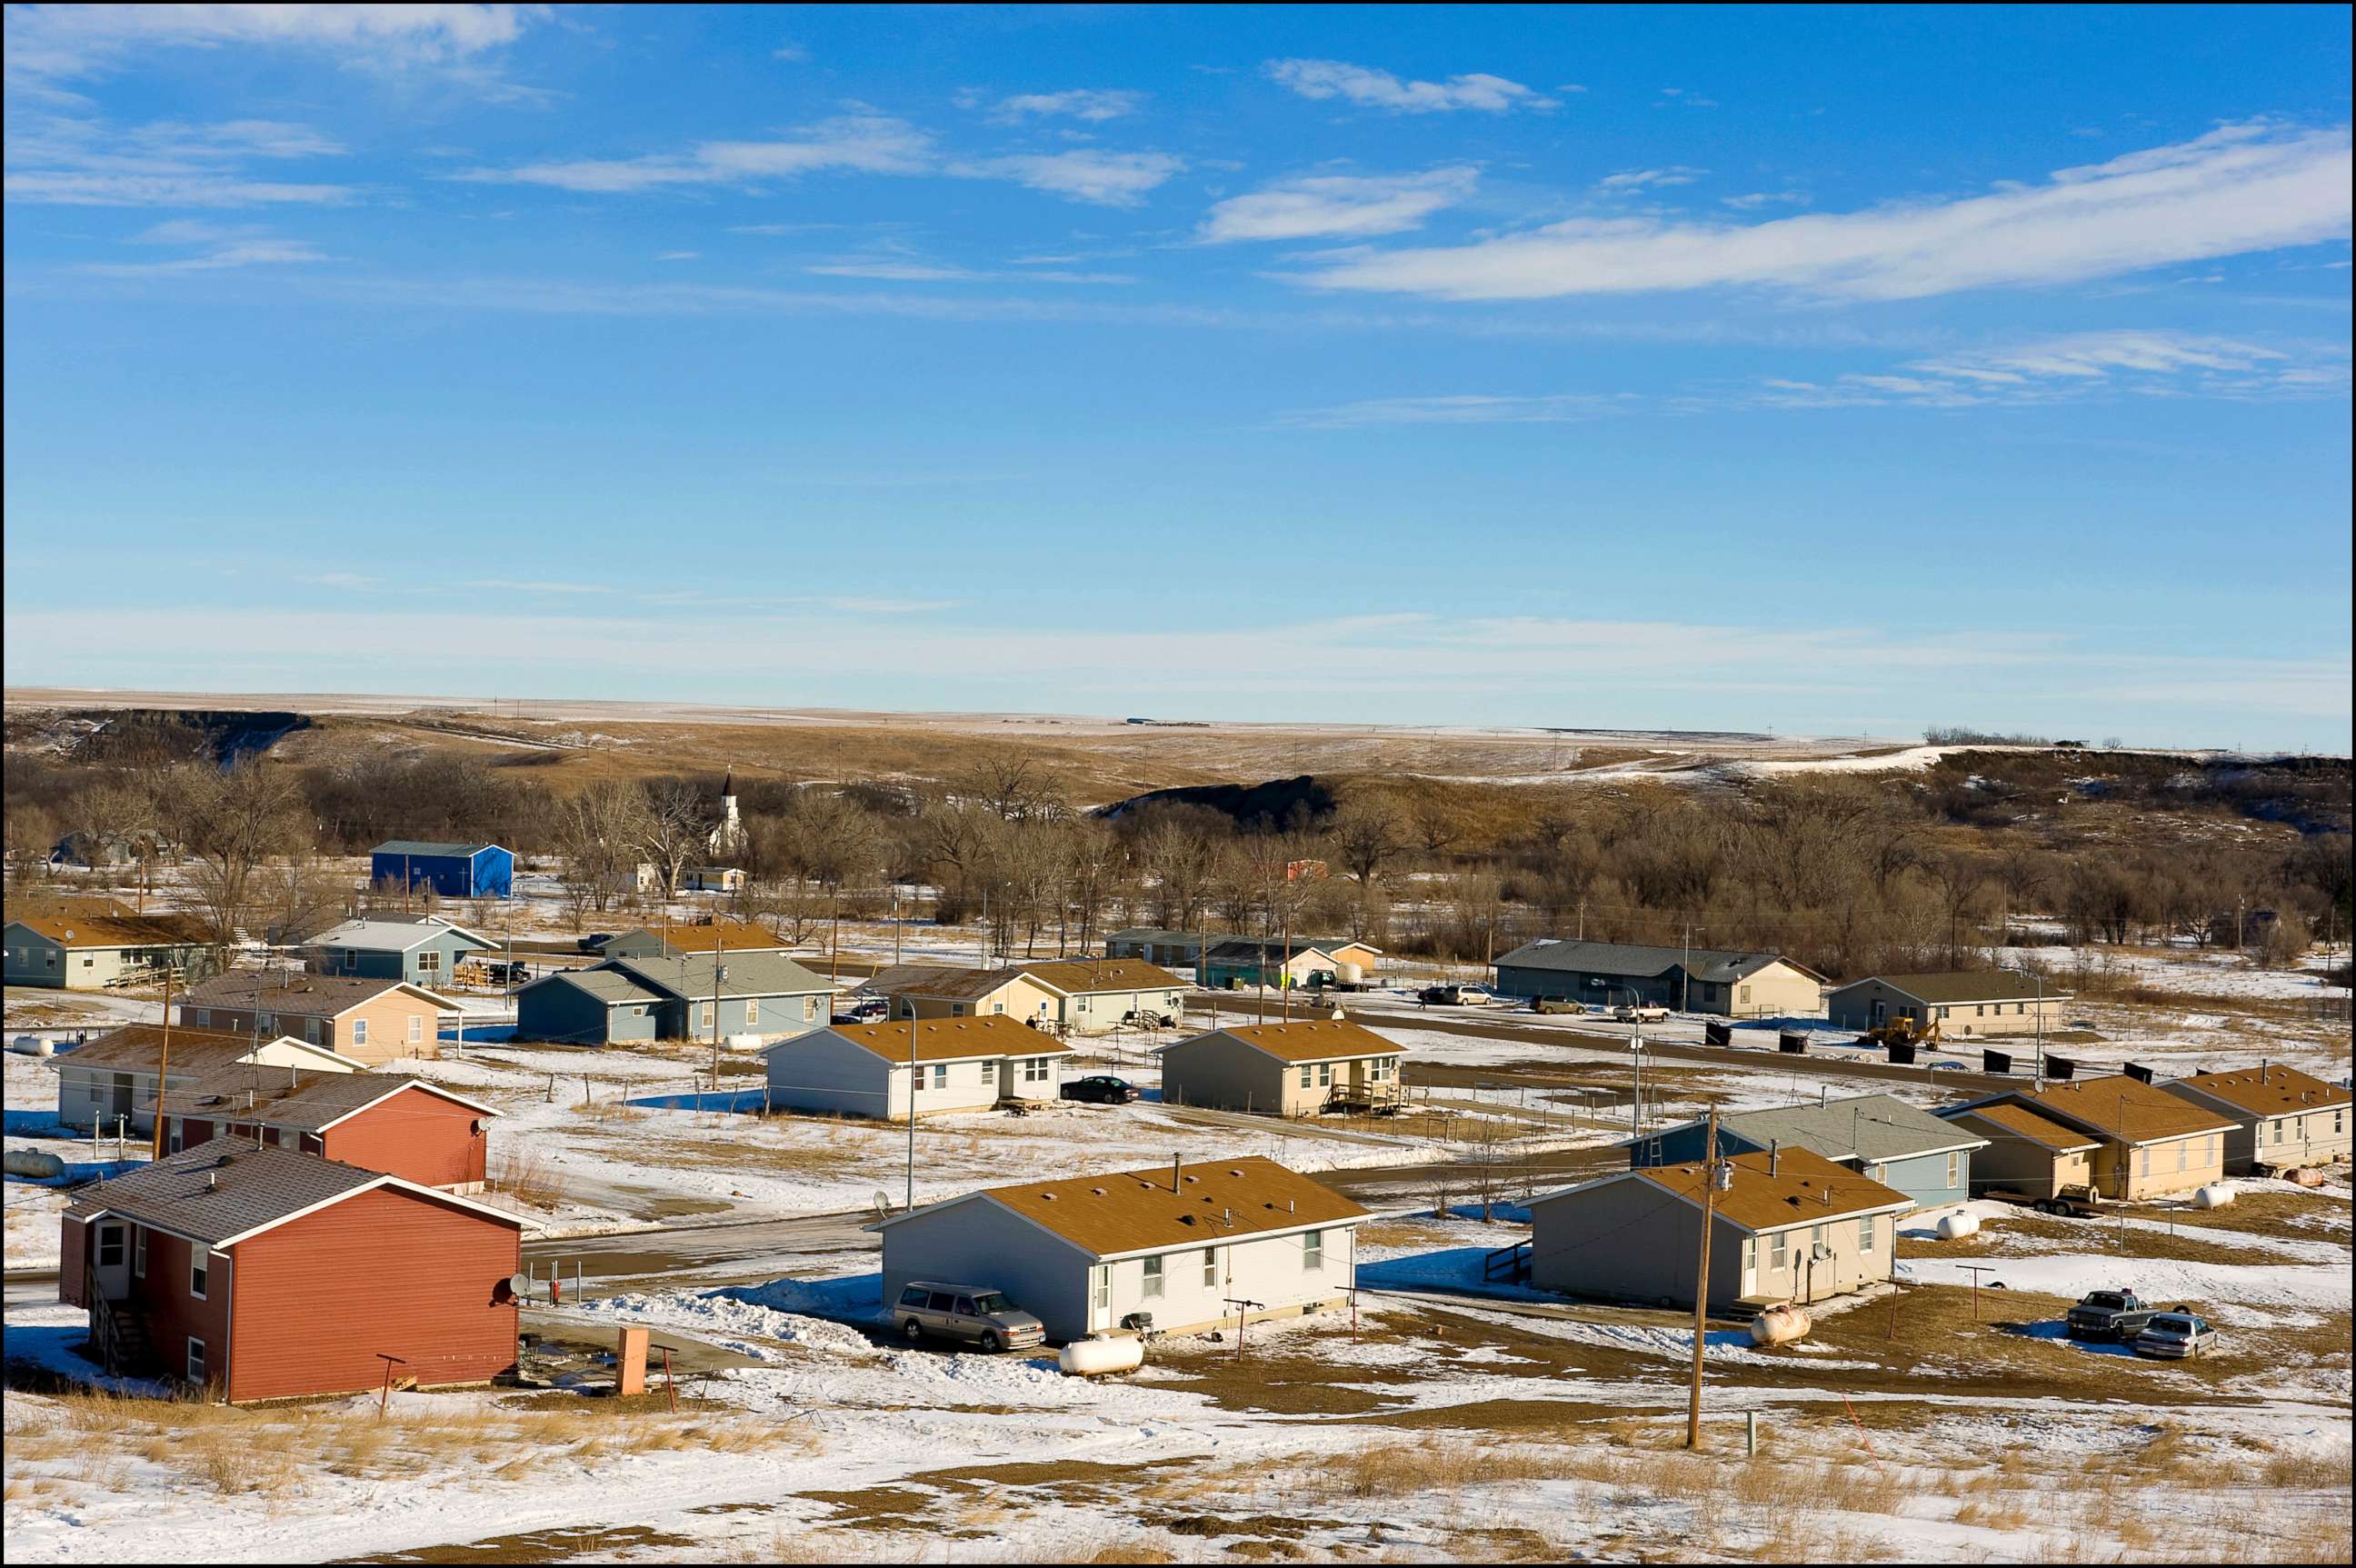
x,y
2239,188
1373,88
1080,104
1646,178
2082,364
49,44
1104,179
680,256
863,143
790,53
1751,201
1339,205
60,160
70,189
218,249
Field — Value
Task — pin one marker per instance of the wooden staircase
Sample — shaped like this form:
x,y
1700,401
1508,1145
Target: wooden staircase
x,y
118,1333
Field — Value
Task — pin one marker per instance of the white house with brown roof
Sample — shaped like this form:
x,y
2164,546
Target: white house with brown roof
x,y
947,1064
2148,1143
1288,1070
112,1080
2282,1117
1080,996
370,1021
1181,1244
1793,1226
1970,1004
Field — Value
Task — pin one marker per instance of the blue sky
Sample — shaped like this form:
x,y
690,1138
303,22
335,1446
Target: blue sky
x,y
1840,371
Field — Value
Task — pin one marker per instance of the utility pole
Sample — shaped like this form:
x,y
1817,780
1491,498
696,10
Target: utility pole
x,y
719,974
895,925
909,1201
2238,901
1684,972
1709,1169
2040,1028
162,1072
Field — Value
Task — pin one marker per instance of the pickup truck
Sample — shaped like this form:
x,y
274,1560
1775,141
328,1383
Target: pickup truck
x,y
2077,1202
1644,1012
2116,1314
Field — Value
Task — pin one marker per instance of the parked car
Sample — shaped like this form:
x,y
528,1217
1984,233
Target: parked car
x,y
2114,1314
1641,1012
1552,1005
974,1312
2174,1336
2078,1201
1440,995
864,1010
1101,1089
1477,997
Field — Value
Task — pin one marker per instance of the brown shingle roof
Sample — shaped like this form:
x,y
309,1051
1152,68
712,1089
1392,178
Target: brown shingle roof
x,y
293,993
1218,1201
945,1039
736,936
228,1187
138,1048
1772,1192
1319,1040
303,1101
2271,1090
77,928
2023,1122
1977,985
2124,1107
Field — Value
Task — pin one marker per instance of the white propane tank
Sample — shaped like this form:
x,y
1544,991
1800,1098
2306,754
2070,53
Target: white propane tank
x,y
1956,1226
1778,1325
2216,1195
38,1164
32,1046
1100,1354
2304,1175
1348,973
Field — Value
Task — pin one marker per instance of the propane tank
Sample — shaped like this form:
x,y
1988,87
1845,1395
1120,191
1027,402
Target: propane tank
x,y
2216,1195
1956,1226
1778,1325
1101,1353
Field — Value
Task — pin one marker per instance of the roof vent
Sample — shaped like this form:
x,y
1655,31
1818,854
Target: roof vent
x,y
212,1181
1098,1190
1233,1172
1046,1198
1228,1215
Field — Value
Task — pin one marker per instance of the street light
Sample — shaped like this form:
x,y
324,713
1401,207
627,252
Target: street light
x,y
1635,1057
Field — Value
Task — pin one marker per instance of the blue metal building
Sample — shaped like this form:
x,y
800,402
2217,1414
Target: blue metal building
x,y
453,870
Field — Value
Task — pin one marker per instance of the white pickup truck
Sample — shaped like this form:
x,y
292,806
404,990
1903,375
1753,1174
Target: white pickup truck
x,y
1641,1013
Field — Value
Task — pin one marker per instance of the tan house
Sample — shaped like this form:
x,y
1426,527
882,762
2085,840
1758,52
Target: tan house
x,y
2282,1117
1080,996
2150,1143
92,944
1793,1227
368,1021
2027,1152
112,1080
1967,1004
1288,1070
953,1064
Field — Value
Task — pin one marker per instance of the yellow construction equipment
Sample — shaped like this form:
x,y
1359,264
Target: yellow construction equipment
x,y
1903,1030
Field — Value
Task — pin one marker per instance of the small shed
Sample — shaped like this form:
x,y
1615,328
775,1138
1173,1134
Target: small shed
x,y
452,870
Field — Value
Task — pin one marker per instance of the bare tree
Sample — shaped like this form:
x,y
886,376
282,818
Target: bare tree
x,y
598,833
233,820
675,829
1958,878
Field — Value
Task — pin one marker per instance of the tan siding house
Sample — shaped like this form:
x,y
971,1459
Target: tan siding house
x,y
2027,1152
1081,997
370,1021
2148,1143
1288,1070
2282,1117
1968,1006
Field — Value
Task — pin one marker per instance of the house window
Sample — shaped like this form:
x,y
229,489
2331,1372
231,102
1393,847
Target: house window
x,y
139,1252
351,960
1815,1238
200,1018
1153,1277
179,1133
1305,1075
2183,1153
359,1031
428,962
1313,1250
1955,1169
2279,1129
1778,1252
940,1075
2338,1124
266,1022
1034,1071
1942,1012
2142,1160
1104,1287
110,1246
1742,993
809,1009
1324,1074
311,1030
957,1009
1749,1256
198,1259
1865,1233
1084,1004
196,1374
416,1028
1210,1268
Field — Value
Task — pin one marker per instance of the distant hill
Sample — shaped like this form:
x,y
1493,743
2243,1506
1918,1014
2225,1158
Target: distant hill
x,y
1277,801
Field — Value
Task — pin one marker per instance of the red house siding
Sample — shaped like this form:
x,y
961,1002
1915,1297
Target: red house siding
x,y
415,1136
387,1271
174,1316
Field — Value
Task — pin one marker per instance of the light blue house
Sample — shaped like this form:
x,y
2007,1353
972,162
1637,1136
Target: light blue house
x,y
1879,1135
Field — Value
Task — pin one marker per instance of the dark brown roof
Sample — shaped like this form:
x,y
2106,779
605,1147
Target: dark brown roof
x,y
223,1188
1974,985
299,1102
77,928
137,1047
2124,1107
736,936
295,993
1217,1201
2023,1122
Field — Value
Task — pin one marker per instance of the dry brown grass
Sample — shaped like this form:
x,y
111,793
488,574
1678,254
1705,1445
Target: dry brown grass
x,y
525,1175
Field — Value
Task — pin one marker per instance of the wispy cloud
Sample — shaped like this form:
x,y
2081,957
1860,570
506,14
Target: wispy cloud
x,y
1456,409
856,605
1339,205
2239,188
215,247
63,160
1372,89
680,256
1102,178
2143,363
1094,105
1648,178
534,586
1751,201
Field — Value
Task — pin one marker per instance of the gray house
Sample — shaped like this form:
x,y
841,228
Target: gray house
x,y
94,945
422,950
766,994
1985,1002
1793,1226
1928,1159
1691,980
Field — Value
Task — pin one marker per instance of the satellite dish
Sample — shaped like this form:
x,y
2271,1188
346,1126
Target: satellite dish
x,y
519,1287
882,1204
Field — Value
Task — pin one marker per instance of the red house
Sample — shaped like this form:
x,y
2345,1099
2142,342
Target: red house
x,y
402,1125
270,1273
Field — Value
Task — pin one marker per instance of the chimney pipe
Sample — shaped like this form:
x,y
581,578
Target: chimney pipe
x,y
1774,1155
212,1181
1177,1171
